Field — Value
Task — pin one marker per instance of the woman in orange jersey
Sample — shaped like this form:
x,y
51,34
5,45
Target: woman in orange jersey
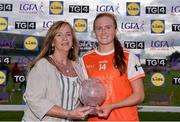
x,y
118,69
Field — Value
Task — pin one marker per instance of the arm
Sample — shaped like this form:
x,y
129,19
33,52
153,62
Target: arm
x,y
136,98
37,81
59,112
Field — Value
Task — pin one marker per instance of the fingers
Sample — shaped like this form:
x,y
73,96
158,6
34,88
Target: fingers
x,y
85,108
77,114
98,108
85,111
100,113
88,111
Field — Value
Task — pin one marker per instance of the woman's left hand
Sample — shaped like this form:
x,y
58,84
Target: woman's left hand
x,y
104,111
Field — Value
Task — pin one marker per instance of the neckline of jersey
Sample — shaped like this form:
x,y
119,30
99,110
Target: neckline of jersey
x,y
104,53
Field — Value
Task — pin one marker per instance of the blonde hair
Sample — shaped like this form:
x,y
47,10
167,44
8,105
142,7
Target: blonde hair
x,y
47,48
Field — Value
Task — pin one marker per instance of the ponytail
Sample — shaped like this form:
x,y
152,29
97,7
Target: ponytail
x,y
119,58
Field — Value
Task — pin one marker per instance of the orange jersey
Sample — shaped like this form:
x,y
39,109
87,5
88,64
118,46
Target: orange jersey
x,y
100,65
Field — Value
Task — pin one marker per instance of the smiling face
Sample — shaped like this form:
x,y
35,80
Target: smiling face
x,y
63,39
105,31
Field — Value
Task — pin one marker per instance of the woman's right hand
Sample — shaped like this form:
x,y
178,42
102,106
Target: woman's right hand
x,y
79,113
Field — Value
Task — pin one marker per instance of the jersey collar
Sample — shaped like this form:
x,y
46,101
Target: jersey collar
x,y
106,53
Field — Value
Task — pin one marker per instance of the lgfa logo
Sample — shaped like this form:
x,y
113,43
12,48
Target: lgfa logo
x,y
80,25
157,79
133,9
157,26
3,23
56,8
2,77
31,43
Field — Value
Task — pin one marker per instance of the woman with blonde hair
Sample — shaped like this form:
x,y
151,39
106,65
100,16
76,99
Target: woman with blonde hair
x,y
53,83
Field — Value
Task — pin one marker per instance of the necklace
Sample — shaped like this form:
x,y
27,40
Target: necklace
x,y
67,70
64,69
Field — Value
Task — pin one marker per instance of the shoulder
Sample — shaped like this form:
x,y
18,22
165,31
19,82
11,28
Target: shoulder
x,y
91,52
43,63
41,67
129,54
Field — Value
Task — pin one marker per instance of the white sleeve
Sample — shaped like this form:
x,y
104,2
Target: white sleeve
x,y
135,70
37,83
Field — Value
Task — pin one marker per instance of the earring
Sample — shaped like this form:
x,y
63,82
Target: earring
x,y
72,47
52,48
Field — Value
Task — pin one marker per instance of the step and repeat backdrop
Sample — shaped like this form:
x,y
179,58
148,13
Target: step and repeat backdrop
x,y
150,29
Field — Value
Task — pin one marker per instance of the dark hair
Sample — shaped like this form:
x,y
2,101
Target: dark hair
x,y
47,48
119,58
